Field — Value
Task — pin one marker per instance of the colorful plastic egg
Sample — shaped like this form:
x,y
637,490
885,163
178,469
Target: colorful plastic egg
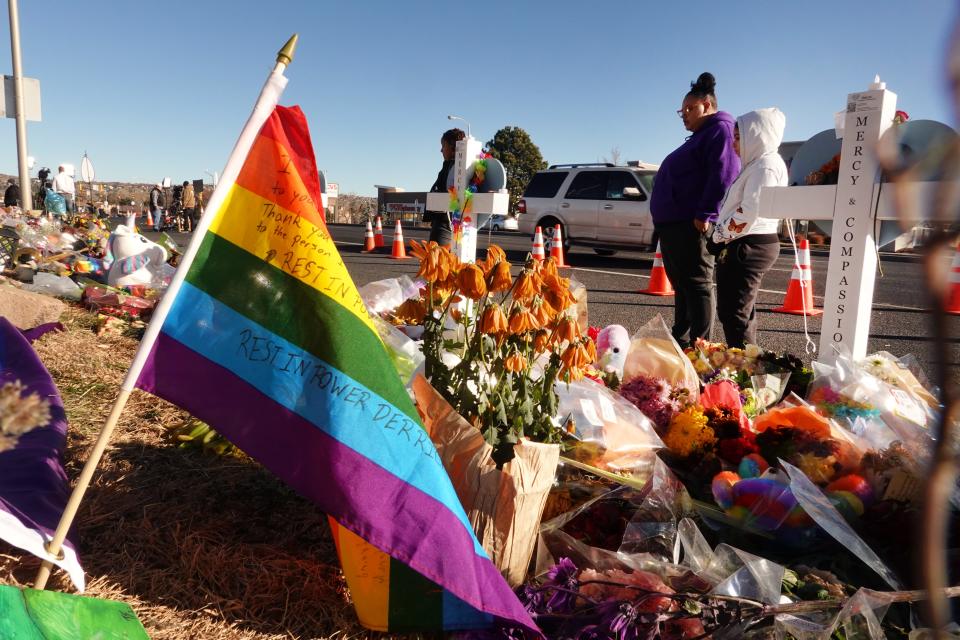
x,y
752,466
855,484
722,488
849,505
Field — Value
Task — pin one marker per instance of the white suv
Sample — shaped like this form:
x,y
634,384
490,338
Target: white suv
x,y
603,206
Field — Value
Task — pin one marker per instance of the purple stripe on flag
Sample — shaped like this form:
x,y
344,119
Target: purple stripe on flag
x,y
33,484
389,513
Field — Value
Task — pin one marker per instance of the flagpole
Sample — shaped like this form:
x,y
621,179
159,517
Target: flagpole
x,y
266,102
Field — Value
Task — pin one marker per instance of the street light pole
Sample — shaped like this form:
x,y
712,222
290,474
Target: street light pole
x,y
452,117
26,195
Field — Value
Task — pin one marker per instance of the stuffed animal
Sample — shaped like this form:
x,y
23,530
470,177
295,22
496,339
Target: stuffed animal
x,y
136,260
613,343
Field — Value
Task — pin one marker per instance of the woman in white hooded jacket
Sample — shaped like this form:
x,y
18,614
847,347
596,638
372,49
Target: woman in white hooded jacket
x,y
750,244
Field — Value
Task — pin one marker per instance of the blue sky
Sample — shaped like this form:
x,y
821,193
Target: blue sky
x,y
153,89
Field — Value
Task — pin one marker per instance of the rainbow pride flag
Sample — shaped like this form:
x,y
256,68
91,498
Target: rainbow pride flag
x,y
266,338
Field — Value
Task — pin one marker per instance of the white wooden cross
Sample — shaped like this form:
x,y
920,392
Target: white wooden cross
x,y
483,205
851,270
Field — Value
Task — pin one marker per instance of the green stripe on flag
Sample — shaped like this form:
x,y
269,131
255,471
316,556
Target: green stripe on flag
x,y
415,603
298,313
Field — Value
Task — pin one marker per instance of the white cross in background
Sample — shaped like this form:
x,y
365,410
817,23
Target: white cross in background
x,y
850,204
483,206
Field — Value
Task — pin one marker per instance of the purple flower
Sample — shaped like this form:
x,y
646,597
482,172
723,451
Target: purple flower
x,y
563,583
628,622
652,396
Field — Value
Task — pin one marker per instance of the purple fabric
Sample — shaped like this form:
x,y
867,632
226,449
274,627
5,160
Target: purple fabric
x,y
362,496
34,334
693,179
33,484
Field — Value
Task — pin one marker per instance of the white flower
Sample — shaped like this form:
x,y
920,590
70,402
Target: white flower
x,y
752,351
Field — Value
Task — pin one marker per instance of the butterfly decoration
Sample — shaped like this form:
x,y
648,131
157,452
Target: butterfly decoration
x,y
733,227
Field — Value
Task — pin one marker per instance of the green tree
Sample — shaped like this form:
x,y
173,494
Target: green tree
x,y
520,157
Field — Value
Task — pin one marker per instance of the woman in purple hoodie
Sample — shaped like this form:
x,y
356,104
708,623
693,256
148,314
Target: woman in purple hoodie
x,y
686,197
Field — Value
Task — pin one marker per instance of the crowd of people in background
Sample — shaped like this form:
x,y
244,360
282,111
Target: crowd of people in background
x,y
57,197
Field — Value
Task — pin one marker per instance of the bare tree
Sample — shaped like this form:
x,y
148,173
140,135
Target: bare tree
x,y
614,156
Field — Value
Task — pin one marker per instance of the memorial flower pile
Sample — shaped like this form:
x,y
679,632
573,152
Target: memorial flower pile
x,y
495,345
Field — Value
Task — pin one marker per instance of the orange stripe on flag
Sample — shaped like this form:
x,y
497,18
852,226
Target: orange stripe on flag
x,y
284,187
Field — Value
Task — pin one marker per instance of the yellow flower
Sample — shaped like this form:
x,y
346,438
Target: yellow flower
x,y
527,285
501,280
521,321
493,321
688,433
515,362
471,282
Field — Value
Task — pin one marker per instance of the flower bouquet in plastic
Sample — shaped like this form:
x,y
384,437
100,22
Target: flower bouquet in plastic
x,y
494,348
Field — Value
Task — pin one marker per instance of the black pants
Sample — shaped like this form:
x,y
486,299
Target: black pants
x,y
440,231
690,268
740,268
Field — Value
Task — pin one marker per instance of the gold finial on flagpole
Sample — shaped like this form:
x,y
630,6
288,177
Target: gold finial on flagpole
x,y
285,55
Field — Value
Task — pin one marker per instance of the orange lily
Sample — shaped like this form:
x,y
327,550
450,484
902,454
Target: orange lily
x,y
493,321
515,362
471,281
521,321
501,280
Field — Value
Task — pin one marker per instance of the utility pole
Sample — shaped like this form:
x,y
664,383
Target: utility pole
x,y
26,188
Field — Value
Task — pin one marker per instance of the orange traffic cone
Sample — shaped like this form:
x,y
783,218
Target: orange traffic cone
x,y
368,242
556,247
149,219
659,282
799,300
378,234
399,253
537,250
953,301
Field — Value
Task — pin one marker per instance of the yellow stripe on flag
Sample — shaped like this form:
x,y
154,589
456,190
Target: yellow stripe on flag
x,y
289,242
367,570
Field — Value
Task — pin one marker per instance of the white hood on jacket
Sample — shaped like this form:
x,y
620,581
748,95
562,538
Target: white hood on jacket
x,y
761,132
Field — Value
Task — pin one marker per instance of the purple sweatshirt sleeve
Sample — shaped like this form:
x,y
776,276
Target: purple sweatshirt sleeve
x,y
723,166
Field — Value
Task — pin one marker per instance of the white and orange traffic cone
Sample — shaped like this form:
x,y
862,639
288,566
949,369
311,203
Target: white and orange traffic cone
x,y
556,247
378,234
799,299
368,242
953,298
399,252
149,220
659,282
537,250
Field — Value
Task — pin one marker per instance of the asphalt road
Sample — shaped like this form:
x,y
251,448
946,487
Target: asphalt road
x,y
900,323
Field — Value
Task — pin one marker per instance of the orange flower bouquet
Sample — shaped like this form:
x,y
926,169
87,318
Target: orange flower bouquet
x,y
495,345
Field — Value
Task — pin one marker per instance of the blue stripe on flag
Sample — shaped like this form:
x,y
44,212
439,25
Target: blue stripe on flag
x,y
306,385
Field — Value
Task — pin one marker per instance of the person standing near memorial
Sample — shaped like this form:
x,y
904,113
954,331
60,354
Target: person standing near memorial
x,y
63,184
686,198
440,231
157,202
750,243
188,202
11,197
